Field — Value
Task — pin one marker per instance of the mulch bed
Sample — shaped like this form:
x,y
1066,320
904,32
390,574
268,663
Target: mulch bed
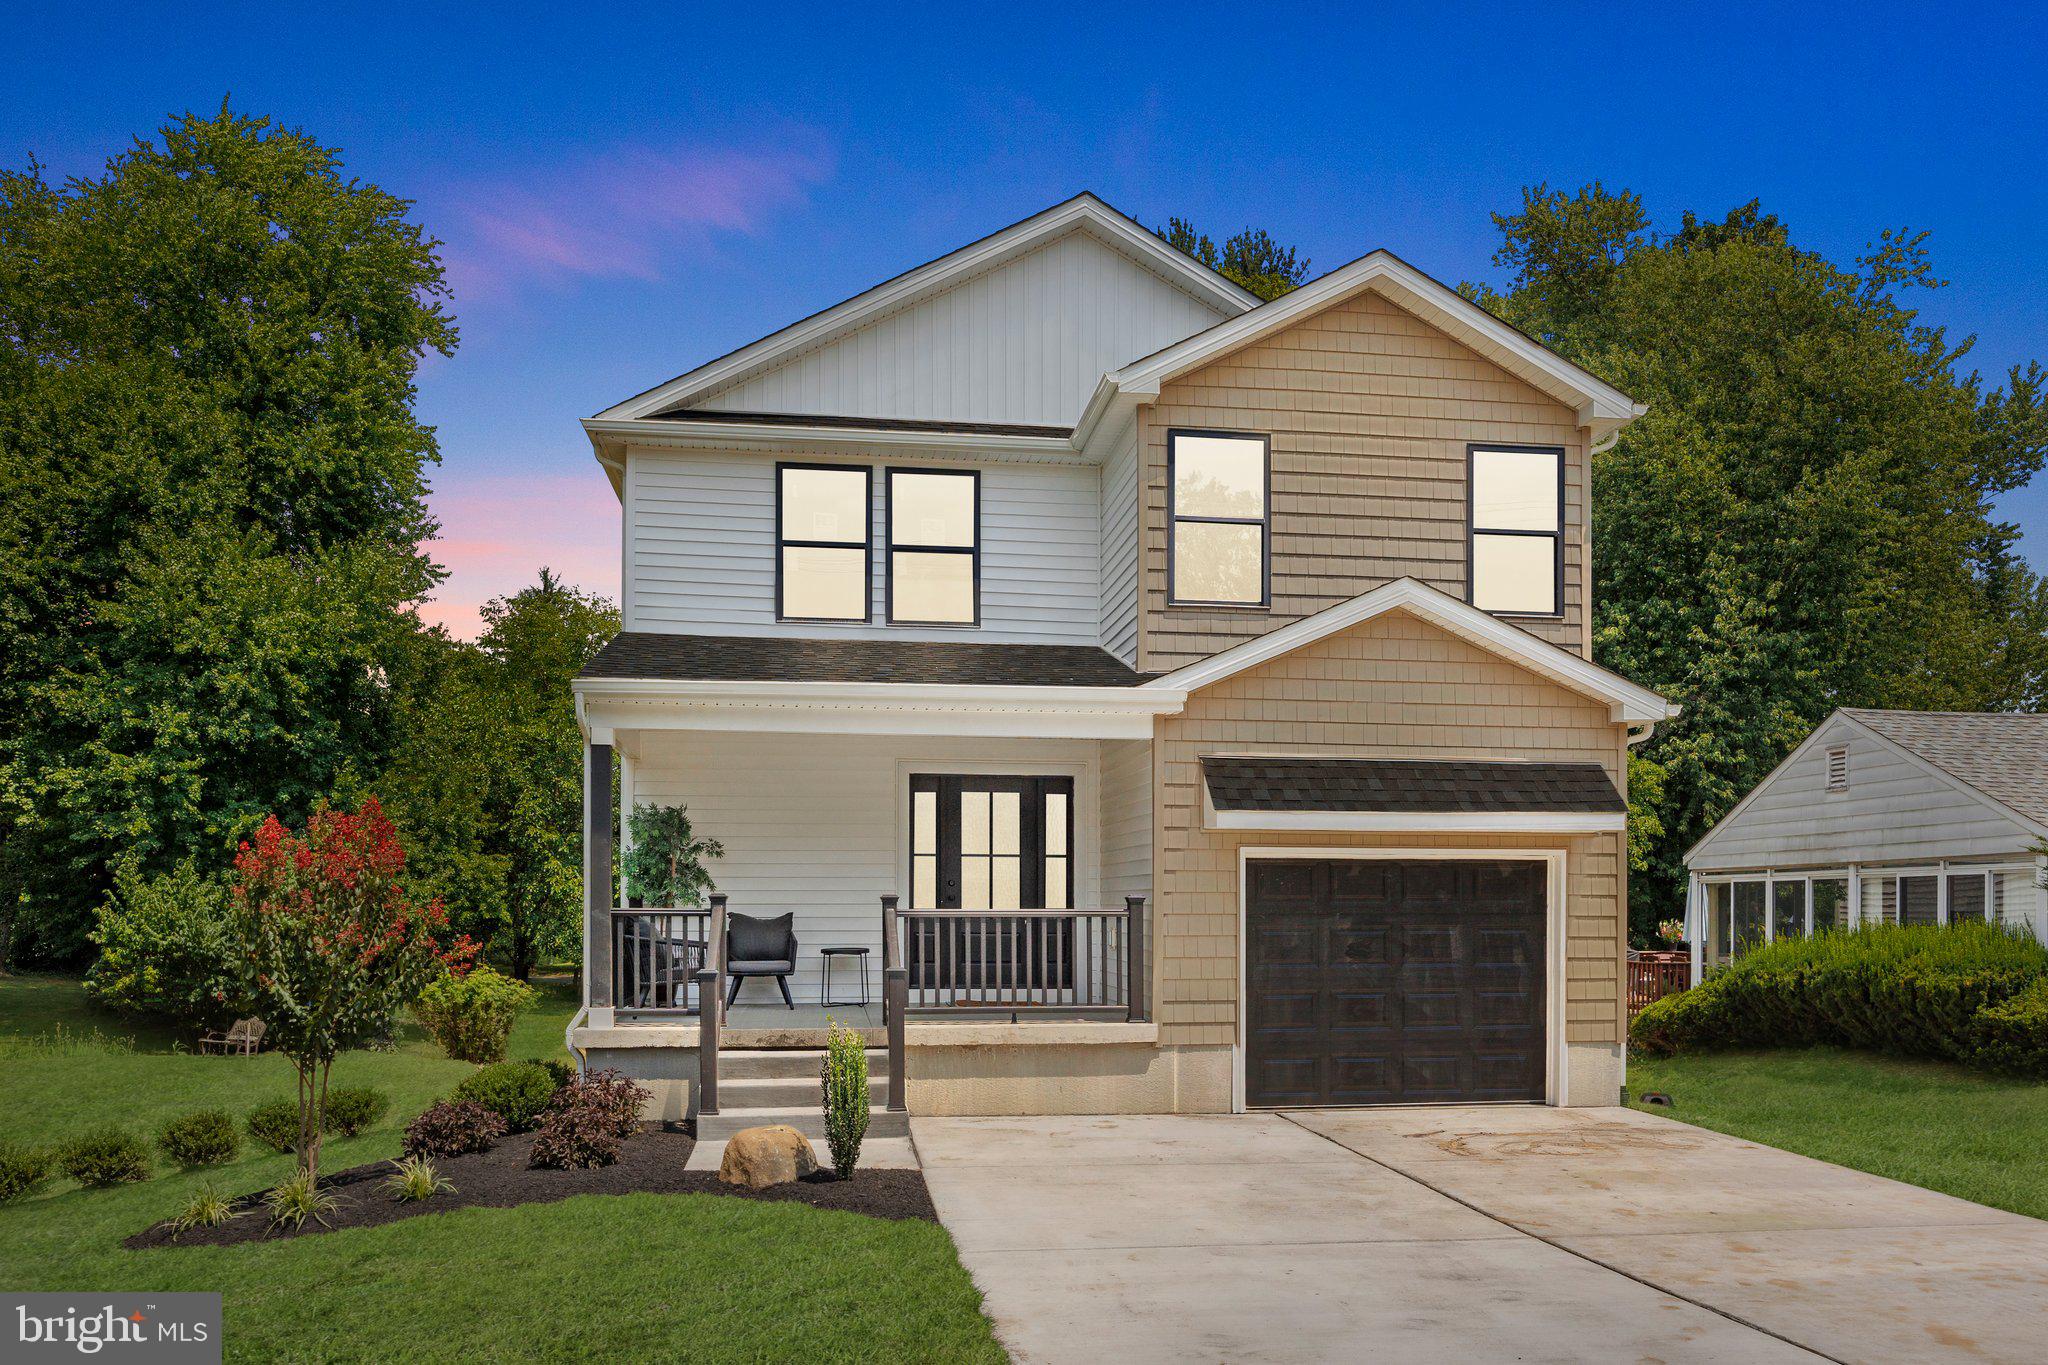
x,y
649,1163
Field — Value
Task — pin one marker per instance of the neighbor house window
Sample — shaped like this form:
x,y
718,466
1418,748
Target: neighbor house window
x,y
934,547
822,540
1218,491
1517,525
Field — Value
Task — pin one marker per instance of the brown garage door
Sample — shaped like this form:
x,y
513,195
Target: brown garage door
x,y
1372,982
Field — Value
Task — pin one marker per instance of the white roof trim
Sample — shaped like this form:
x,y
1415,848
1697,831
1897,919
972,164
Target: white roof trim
x,y
1599,404
1828,729
1082,211
1628,701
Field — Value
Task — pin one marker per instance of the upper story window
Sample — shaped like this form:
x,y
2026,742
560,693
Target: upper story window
x,y
1517,526
823,535
1218,495
934,547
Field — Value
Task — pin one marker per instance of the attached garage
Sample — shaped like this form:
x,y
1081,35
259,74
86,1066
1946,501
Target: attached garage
x,y
1375,981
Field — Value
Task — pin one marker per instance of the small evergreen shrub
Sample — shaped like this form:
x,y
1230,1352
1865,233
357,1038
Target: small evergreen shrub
x,y
23,1169
452,1128
206,1137
208,1209
353,1108
517,1092
275,1124
2012,1035
846,1097
471,1016
415,1180
110,1156
300,1198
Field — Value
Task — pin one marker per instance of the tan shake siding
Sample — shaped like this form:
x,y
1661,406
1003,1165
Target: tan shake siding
x,y
1370,411
1394,687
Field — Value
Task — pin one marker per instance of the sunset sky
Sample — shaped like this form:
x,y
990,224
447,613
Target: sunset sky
x,y
625,194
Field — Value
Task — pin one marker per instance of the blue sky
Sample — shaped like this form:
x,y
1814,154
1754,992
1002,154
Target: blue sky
x,y
627,192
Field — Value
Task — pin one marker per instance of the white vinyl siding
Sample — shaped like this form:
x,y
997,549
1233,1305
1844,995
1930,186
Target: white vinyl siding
x,y
1126,819
1023,343
1892,811
700,555
1120,548
818,825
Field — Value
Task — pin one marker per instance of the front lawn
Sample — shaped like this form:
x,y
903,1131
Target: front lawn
x,y
1961,1132
613,1277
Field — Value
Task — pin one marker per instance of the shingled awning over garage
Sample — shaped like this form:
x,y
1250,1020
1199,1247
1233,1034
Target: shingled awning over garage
x,y
1409,794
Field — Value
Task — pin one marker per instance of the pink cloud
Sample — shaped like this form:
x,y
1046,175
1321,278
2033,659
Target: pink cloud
x,y
497,532
625,213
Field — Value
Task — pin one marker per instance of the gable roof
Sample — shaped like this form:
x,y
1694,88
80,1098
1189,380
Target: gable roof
x,y
2004,755
1599,405
1628,702
1084,212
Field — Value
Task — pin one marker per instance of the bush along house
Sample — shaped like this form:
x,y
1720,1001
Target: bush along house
x,y
1147,698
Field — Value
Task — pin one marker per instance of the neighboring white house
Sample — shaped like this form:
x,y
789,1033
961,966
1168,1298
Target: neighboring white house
x,y
1892,817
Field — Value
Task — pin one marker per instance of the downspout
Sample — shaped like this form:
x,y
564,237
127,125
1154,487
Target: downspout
x,y
569,1040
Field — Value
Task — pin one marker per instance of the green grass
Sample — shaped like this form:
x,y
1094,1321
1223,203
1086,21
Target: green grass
x,y
635,1277
1931,1124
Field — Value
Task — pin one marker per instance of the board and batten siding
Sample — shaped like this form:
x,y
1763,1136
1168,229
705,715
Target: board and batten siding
x,y
700,548
1894,811
817,825
1392,687
1370,411
1023,342
1119,501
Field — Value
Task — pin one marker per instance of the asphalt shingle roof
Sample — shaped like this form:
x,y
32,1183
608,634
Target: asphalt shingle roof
x,y
747,658
1376,784
2003,755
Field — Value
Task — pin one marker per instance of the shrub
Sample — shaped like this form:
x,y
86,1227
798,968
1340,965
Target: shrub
x,y
23,1169
207,1210
588,1120
517,1092
110,1156
1916,990
2012,1035
562,1071
165,951
471,1016
352,1108
298,1199
452,1128
414,1180
275,1124
206,1137
846,1097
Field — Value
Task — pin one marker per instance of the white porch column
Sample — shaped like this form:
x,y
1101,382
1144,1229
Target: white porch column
x,y
1695,921
1855,896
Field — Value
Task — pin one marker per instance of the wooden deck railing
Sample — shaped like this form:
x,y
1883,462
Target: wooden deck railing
x,y
656,955
1021,962
1654,975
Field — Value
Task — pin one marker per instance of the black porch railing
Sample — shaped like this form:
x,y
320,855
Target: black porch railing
x,y
656,955
1021,962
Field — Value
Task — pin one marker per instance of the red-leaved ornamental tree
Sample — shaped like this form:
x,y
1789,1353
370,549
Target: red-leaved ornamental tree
x,y
331,949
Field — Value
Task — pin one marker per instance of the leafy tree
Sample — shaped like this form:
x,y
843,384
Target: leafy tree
x,y
487,782
330,946
1803,519
211,500
1251,260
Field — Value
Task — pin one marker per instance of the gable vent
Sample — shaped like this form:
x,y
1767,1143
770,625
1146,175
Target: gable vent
x,y
1838,768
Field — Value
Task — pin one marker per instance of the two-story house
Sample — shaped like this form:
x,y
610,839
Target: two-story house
x,y
1187,699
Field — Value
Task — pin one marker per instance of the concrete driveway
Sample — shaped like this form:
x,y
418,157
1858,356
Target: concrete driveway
x,y
1459,1234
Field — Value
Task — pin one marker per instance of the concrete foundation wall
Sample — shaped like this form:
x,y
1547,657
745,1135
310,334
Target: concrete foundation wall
x,y
1090,1079
1596,1072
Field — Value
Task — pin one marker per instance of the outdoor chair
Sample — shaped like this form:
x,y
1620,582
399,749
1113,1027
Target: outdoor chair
x,y
244,1037
760,947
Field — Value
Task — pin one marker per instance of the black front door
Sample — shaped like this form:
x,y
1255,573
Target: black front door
x,y
1382,982
990,844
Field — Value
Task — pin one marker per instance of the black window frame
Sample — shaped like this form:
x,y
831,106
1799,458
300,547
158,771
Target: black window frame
x,y
867,545
890,546
1473,531
1264,523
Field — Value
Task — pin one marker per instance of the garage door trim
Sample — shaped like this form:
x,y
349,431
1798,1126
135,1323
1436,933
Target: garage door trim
x,y
1555,1054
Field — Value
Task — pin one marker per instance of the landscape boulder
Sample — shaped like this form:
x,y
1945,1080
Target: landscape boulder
x,y
760,1157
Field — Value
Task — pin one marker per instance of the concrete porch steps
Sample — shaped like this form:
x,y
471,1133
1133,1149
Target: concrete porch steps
x,y
761,1087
